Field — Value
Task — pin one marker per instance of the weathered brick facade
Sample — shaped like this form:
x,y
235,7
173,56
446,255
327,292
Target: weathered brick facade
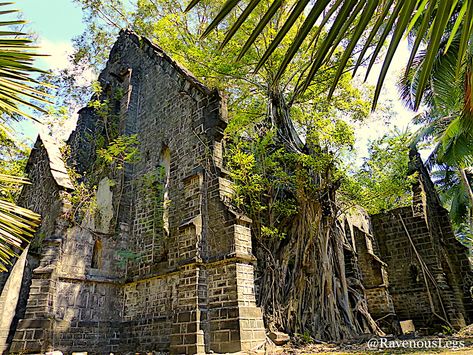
x,y
363,266
162,262
409,262
188,286
430,277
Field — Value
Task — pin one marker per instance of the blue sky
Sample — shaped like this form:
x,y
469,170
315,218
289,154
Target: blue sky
x,y
54,20
56,23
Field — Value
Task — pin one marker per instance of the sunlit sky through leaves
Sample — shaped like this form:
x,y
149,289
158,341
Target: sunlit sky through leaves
x,y
57,22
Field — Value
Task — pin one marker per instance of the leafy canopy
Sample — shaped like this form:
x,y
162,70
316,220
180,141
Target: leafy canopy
x,y
368,23
382,183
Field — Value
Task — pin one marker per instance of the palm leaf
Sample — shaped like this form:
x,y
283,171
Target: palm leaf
x,y
291,20
17,225
251,6
395,18
17,92
260,26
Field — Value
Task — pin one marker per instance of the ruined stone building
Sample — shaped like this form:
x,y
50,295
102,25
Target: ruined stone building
x,y
411,265
160,261
430,276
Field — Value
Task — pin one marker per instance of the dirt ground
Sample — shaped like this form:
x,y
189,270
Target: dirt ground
x,y
424,345
459,343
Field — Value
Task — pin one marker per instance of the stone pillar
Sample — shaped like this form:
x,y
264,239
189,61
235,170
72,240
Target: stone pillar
x,y
35,331
190,317
216,308
235,323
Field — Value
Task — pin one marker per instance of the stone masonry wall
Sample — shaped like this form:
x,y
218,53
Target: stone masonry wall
x,y
425,261
364,268
406,281
374,276
43,198
161,263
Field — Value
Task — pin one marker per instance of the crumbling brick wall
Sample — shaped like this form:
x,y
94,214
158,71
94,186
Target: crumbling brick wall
x,y
363,266
429,272
44,197
189,285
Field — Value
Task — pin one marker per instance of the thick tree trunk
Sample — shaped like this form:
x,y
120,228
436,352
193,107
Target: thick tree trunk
x,y
467,186
278,113
302,283
303,288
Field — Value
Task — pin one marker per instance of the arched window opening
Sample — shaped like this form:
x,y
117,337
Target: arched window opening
x,y
166,164
97,255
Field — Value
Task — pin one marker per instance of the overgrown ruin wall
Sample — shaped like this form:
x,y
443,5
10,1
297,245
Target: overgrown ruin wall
x,y
363,266
160,261
139,273
430,276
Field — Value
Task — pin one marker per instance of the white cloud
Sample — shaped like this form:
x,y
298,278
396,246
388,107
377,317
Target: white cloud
x,y
58,54
401,117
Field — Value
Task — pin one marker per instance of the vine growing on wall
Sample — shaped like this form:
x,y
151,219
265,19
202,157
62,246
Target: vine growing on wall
x,y
152,185
112,152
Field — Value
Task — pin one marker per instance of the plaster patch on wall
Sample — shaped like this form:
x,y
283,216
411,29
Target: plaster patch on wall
x,y
9,298
104,213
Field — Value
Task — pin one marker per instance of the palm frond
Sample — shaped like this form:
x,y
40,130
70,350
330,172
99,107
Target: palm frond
x,y
17,225
392,21
18,95
17,56
456,145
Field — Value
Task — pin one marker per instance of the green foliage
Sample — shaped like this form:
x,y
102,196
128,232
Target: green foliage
x,y
125,257
82,199
178,33
152,187
19,96
272,233
110,160
447,125
382,183
368,23
56,121
102,108
447,330
113,151
17,86
267,177
13,158
123,149
464,235
454,196
305,338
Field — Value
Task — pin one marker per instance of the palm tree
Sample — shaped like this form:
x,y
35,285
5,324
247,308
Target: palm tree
x,y
447,121
17,90
370,22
